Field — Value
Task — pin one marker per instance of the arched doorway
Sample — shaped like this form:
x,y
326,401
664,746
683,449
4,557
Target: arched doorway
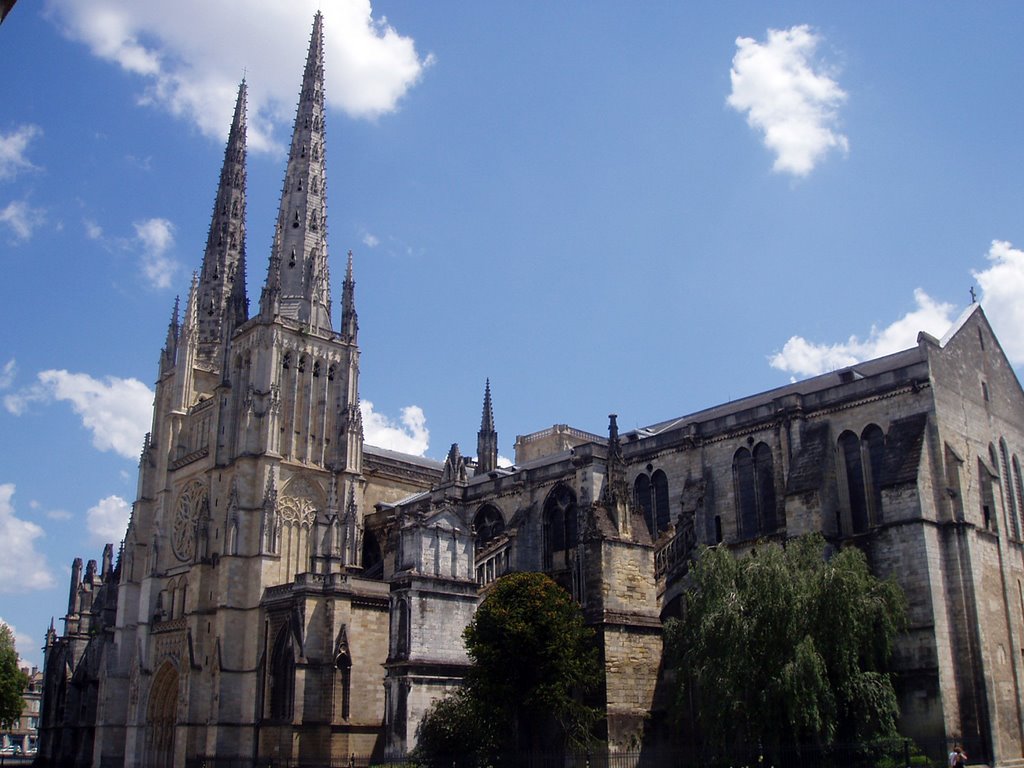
x,y
162,717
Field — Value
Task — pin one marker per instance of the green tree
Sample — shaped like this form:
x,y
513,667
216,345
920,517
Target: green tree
x,y
784,648
533,665
533,660
12,680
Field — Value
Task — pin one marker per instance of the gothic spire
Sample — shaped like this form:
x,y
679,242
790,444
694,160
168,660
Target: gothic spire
x,y
222,304
486,438
170,350
298,283
349,318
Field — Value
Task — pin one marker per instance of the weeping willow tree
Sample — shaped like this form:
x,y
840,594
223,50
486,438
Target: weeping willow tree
x,y
784,648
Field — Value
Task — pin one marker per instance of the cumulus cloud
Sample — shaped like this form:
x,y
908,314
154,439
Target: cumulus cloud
x,y
22,218
108,520
93,231
408,435
7,373
1002,295
788,97
13,149
806,358
156,237
191,55
21,566
116,411
370,240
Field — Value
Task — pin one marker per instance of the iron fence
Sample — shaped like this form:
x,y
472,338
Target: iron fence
x,y
896,753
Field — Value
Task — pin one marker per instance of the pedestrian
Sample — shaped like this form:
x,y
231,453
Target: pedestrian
x,y
957,757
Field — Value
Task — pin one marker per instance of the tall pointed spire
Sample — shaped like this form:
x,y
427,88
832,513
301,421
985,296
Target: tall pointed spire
x,y
298,284
170,350
349,318
222,304
487,437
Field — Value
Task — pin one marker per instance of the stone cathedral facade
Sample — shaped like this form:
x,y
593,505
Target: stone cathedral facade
x,y
286,592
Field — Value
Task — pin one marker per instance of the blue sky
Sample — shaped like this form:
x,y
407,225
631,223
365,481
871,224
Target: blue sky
x,y
603,207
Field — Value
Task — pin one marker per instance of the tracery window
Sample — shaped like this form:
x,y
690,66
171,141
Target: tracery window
x,y
560,526
754,483
652,497
488,524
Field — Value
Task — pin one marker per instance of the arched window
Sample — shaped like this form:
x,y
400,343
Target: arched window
x,y
754,483
642,497
764,482
373,560
853,467
746,494
488,524
1008,489
560,530
1017,485
662,513
988,503
343,663
873,443
282,677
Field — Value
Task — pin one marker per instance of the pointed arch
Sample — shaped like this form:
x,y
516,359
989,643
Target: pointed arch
x,y
372,557
162,717
560,526
643,501
281,677
1008,494
746,494
662,511
488,523
764,486
872,441
853,470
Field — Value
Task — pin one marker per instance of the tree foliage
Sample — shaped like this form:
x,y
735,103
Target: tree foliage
x,y
12,680
784,648
533,663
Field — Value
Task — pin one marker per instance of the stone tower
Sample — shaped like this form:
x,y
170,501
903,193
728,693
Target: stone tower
x,y
244,626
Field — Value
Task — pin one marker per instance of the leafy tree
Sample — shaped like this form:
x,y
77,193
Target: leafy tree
x,y
533,659
533,665
455,731
784,648
12,680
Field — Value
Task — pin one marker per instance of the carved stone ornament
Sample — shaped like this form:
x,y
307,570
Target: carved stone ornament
x,y
191,506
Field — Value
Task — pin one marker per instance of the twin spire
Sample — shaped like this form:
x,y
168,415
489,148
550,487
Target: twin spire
x,y
298,280
221,303
298,283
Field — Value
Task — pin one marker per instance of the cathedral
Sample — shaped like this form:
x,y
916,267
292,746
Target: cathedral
x,y
287,593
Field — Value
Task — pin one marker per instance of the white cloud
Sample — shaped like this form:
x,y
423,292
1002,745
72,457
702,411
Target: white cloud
x,y
7,373
371,240
13,147
93,231
108,520
1002,295
806,358
191,54
156,237
116,411
791,104
409,435
21,566
22,218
